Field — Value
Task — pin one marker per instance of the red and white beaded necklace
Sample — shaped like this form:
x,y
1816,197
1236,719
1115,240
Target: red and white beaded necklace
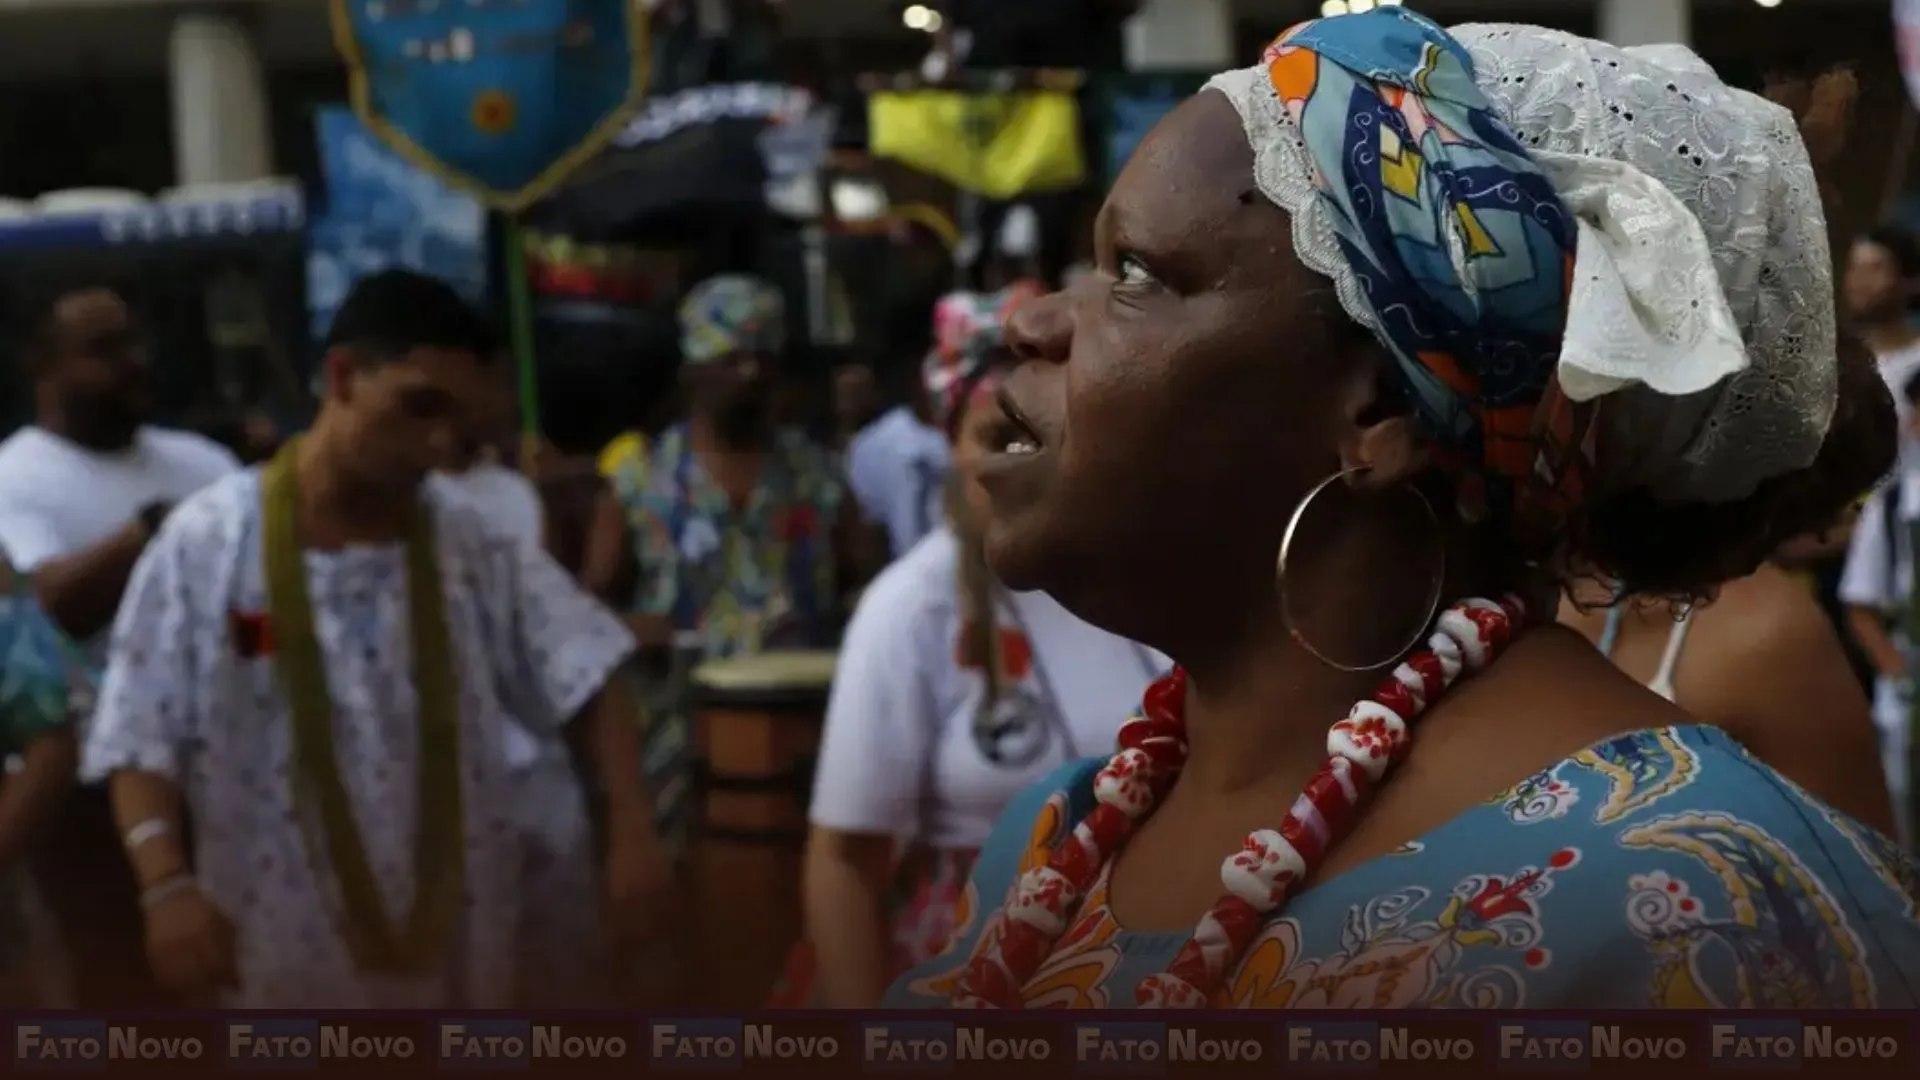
x,y
1153,750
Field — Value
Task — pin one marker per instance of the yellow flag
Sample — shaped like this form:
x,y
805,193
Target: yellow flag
x,y
1001,146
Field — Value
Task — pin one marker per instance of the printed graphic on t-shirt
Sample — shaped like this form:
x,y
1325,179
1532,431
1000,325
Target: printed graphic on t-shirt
x,y
1017,727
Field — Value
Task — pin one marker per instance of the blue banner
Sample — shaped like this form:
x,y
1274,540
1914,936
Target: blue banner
x,y
382,212
501,97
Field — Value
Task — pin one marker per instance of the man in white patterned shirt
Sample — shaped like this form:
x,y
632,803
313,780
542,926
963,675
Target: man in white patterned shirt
x,y
326,659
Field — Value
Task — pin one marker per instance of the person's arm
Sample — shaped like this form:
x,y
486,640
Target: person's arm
x,y
146,718
81,591
145,715
1869,629
875,752
843,889
609,722
30,797
859,547
1795,703
149,802
607,570
1867,586
638,874
563,662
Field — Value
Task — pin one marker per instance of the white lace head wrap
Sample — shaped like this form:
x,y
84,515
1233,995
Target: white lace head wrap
x,y
1700,304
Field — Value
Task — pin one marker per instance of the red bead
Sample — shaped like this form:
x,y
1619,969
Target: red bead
x,y
1302,837
1187,963
986,979
1238,919
1329,796
1493,626
1433,675
1394,695
1022,948
1105,828
1166,698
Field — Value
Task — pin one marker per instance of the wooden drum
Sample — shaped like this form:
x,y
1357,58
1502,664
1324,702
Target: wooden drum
x,y
757,730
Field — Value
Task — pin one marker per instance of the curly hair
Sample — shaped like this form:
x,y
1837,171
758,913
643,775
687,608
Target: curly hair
x,y
1681,552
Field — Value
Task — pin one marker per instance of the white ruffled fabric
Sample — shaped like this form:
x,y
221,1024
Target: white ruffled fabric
x,y
1701,310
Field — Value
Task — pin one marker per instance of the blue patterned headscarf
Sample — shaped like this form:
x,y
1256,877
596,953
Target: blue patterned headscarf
x,y
732,313
1458,248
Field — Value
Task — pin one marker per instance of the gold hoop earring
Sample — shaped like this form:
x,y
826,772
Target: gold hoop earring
x,y
1286,552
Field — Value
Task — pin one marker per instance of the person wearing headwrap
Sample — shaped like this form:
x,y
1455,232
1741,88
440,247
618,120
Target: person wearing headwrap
x,y
1397,333
730,535
897,465
953,694
738,525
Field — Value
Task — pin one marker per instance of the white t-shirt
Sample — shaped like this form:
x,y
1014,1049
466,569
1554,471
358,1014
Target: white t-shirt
x,y
895,466
1898,368
502,496
900,756
1877,575
58,497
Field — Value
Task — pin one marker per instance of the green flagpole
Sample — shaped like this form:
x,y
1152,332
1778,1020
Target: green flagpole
x,y
520,316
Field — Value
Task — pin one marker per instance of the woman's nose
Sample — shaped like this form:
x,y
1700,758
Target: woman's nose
x,y
1042,328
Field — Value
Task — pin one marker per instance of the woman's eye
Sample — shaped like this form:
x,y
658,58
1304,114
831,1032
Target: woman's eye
x,y
1133,271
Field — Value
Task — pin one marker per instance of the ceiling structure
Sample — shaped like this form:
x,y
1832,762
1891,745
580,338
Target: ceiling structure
x,y
47,39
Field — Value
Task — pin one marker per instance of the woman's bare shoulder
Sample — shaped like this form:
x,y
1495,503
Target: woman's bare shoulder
x,y
1770,670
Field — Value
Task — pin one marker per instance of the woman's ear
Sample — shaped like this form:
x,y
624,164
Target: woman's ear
x,y
1380,440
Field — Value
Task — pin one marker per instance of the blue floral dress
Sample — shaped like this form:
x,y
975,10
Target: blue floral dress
x,y
1665,868
42,682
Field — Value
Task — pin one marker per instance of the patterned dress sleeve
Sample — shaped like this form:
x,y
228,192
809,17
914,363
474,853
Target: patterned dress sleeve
x,y
147,709
1689,875
1032,824
824,490
563,644
651,536
41,677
